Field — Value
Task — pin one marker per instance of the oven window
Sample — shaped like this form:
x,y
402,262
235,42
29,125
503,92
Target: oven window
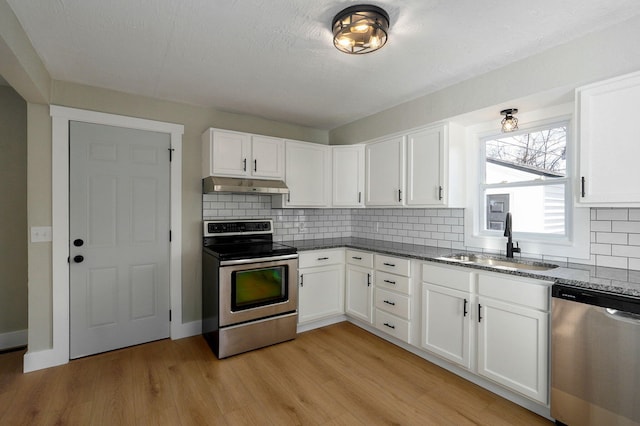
x,y
258,287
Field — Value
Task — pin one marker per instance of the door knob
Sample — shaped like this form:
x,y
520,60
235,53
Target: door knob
x,y
78,242
78,258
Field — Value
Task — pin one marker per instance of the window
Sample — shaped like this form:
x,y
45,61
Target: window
x,y
525,173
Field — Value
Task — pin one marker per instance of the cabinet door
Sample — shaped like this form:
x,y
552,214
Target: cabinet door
x,y
609,143
320,292
385,172
307,174
513,347
446,321
267,157
358,302
348,176
425,167
230,153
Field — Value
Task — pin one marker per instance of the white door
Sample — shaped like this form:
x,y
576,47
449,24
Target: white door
x,y
119,237
307,174
359,297
268,157
348,175
385,172
321,292
230,153
512,347
446,323
425,153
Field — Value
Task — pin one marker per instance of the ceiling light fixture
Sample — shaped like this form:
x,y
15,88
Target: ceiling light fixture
x,y
360,29
509,122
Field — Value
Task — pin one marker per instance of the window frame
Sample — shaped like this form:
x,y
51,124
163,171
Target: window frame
x,y
575,246
566,181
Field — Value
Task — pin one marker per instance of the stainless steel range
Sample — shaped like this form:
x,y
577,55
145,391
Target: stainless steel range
x,y
249,287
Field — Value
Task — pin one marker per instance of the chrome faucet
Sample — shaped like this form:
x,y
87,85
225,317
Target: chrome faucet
x,y
507,233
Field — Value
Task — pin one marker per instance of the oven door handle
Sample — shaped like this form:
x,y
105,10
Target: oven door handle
x,y
258,260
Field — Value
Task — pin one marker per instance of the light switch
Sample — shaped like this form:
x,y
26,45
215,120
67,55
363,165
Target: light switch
x,y
40,234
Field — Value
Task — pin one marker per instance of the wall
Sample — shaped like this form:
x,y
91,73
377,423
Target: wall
x,y
13,213
541,80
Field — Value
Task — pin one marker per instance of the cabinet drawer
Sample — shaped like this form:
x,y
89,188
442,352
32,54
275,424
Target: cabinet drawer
x,y
361,258
522,291
455,278
394,303
308,259
392,325
393,282
395,265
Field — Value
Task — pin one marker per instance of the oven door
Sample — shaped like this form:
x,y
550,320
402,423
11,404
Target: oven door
x,y
252,289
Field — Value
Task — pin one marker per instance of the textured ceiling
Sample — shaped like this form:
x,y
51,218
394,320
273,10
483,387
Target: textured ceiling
x,y
275,59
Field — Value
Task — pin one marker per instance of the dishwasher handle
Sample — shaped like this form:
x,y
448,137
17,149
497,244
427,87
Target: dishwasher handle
x,y
622,316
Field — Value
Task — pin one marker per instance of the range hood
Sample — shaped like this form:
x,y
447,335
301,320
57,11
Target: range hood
x,y
227,184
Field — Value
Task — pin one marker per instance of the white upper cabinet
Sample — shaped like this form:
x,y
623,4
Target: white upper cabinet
x,y
424,168
348,176
425,171
237,154
307,174
268,157
609,146
385,170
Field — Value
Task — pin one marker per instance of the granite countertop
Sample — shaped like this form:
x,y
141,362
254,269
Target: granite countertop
x,y
610,280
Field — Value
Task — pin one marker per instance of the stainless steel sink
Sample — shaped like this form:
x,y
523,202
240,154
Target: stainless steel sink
x,y
498,262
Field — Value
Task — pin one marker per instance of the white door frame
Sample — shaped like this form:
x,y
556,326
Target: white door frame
x,y
59,353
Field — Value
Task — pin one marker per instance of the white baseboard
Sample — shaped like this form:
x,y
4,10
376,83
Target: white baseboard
x,y
188,329
13,339
39,360
320,323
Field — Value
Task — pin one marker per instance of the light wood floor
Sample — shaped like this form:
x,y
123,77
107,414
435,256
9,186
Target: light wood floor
x,y
337,375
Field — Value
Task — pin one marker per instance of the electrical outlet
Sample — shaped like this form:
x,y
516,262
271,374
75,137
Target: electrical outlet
x,y
302,227
40,234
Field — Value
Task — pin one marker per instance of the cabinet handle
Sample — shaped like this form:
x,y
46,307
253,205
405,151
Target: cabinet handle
x,y
368,280
479,312
464,308
440,192
356,257
390,282
399,195
301,280
359,197
255,165
390,326
289,197
390,264
244,165
389,303
582,185
323,258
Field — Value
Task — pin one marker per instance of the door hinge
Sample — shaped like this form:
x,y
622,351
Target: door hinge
x,y
171,154
169,235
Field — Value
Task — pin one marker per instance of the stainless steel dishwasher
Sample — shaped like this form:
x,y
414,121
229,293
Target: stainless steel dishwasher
x,y
595,357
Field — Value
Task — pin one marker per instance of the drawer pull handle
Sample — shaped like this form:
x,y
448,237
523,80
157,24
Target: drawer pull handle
x,y
390,325
389,264
323,258
390,303
390,282
356,257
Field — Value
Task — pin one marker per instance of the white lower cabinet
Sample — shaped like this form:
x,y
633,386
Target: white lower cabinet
x,y
320,285
359,285
496,325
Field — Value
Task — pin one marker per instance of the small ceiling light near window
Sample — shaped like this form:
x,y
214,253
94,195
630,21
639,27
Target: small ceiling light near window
x,y
509,122
360,29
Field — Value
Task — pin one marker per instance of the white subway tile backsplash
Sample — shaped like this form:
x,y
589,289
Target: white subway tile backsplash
x,y
615,232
